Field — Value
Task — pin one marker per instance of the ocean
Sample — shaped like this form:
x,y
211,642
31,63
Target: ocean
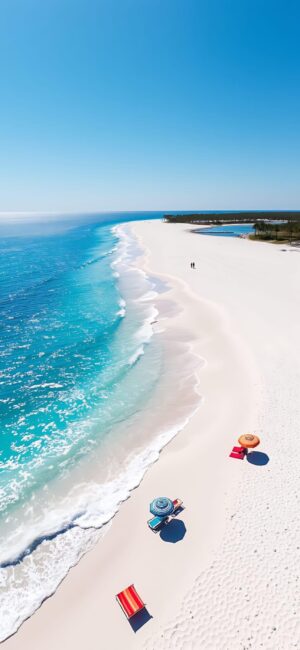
x,y
81,379
72,333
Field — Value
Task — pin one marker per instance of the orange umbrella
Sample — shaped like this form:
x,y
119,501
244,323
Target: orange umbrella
x,y
249,441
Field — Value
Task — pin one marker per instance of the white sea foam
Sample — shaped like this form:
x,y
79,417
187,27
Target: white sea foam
x,y
111,495
24,587
145,332
122,311
20,598
45,385
149,295
136,355
124,262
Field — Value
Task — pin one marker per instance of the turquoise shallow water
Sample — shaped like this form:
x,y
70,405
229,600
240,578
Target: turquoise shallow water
x,y
66,352
59,314
232,230
79,369
76,364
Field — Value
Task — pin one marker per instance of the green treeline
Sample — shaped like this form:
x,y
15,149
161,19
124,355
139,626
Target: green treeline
x,y
289,231
243,216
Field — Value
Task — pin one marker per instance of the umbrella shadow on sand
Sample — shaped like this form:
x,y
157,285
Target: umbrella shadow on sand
x,y
140,619
257,458
173,532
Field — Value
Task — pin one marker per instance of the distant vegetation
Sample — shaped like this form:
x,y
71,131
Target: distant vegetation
x,y
219,218
275,226
288,231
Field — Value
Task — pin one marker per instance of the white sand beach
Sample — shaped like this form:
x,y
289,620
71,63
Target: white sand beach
x,y
226,577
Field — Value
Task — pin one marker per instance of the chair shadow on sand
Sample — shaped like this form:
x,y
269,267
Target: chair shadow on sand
x,y
140,619
173,532
257,458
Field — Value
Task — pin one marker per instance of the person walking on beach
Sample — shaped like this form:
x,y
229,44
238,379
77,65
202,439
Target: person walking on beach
x,y
193,265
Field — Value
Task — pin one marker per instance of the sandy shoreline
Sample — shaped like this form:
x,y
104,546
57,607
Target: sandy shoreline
x,y
241,309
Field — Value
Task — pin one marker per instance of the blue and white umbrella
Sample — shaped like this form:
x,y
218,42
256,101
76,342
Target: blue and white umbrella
x,y
161,507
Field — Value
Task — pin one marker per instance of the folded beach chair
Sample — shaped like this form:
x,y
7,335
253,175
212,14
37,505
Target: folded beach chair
x,y
130,601
177,503
238,452
157,522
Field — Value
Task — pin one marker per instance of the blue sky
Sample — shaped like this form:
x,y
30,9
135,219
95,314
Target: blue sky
x,y
149,104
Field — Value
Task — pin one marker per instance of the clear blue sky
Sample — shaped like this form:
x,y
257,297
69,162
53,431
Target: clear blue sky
x,y
149,104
